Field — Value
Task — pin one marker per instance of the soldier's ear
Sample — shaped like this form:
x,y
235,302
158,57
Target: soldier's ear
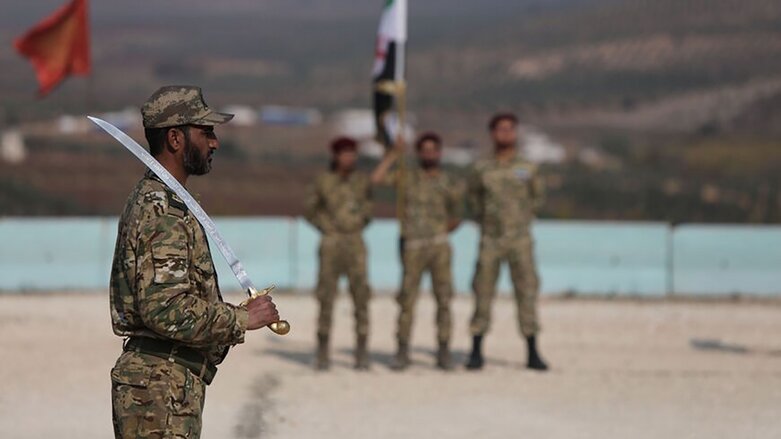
x,y
174,139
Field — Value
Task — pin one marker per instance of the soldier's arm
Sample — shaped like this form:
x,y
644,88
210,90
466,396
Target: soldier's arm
x,y
537,190
367,204
167,301
474,194
455,204
314,209
381,174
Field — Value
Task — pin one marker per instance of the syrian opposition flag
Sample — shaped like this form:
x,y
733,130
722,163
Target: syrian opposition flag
x,y
388,72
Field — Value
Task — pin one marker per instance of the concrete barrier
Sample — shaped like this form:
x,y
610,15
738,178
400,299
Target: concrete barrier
x,y
725,260
581,257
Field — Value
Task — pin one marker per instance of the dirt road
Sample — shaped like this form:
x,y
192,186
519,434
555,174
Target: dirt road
x,y
620,369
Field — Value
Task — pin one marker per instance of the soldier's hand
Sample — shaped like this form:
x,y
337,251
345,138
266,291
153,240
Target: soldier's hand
x,y
262,312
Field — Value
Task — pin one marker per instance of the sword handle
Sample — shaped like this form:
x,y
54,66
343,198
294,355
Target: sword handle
x,y
281,327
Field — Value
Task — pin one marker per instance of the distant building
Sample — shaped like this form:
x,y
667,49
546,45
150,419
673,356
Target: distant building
x,y
356,123
539,148
68,124
12,148
281,115
359,124
243,115
458,156
129,118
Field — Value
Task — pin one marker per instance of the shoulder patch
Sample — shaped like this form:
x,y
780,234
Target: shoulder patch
x,y
522,173
176,206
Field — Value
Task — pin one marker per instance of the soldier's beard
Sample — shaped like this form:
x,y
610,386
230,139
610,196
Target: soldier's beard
x,y
429,164
343,169
196,163
500,146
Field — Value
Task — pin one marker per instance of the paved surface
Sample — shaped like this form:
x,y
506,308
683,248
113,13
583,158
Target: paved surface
x,y
621,369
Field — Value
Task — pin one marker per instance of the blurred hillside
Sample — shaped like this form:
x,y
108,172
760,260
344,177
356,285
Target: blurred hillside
x,y
667,110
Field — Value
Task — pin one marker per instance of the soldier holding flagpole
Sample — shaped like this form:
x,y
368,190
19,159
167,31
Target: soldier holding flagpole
x,y
432,211
429,212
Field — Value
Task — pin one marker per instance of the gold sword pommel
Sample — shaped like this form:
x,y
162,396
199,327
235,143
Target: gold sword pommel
x,y
280,327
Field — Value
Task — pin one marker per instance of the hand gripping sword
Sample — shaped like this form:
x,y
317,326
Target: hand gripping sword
x,y
281,327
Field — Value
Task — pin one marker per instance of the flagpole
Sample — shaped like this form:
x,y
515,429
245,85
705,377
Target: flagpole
x,y
401,108
390,86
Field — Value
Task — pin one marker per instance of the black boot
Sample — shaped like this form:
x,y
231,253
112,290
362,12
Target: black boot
x,y
361,353
475,361
401,360
443,356
535,362
322,360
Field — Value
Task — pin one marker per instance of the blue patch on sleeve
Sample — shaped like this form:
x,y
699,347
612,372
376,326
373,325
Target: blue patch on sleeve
x,y
523,174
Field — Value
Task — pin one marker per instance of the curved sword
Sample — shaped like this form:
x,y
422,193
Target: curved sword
x,y
282,327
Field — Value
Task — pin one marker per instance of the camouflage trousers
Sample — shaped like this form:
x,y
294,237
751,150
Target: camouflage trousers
x,y
343,255
519,254
417,259
155,398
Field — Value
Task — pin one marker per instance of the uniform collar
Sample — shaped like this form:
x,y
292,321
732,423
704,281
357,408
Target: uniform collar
x,y
340,177
512,161
424,174
152,176
149,175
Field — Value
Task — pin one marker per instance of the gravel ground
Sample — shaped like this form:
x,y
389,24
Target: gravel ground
x,y
646,369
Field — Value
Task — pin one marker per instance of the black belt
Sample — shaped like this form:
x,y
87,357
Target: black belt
x,y
176,353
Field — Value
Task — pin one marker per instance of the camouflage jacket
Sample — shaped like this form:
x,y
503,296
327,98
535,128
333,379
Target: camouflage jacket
x,y
431,202
163,282
504,196
339,205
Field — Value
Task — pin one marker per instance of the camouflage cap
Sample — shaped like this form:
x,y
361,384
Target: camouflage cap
x,y
175,105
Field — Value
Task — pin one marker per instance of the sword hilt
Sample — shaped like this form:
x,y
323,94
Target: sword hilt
x,y
280,327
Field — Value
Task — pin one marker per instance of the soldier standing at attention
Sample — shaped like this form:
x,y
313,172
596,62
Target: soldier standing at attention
x,y
164,293
504,193
339,206
432,210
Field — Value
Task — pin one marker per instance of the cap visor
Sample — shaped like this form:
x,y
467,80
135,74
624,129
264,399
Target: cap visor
x,y
213,118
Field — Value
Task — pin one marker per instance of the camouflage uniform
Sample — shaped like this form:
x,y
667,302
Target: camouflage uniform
x,y
340,208
504,197
431,202
164,287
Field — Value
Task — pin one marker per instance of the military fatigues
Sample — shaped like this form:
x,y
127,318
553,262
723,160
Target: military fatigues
x,y
340,208
164,289
504,197
431,202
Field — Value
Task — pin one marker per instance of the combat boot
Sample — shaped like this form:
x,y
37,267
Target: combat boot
x,y
475,361
443,356
361,354
322,362
401,361
535,362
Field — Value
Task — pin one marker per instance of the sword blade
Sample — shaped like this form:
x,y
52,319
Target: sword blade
x,y
208,225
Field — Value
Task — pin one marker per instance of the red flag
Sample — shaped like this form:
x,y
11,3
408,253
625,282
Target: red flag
x,y
58,46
